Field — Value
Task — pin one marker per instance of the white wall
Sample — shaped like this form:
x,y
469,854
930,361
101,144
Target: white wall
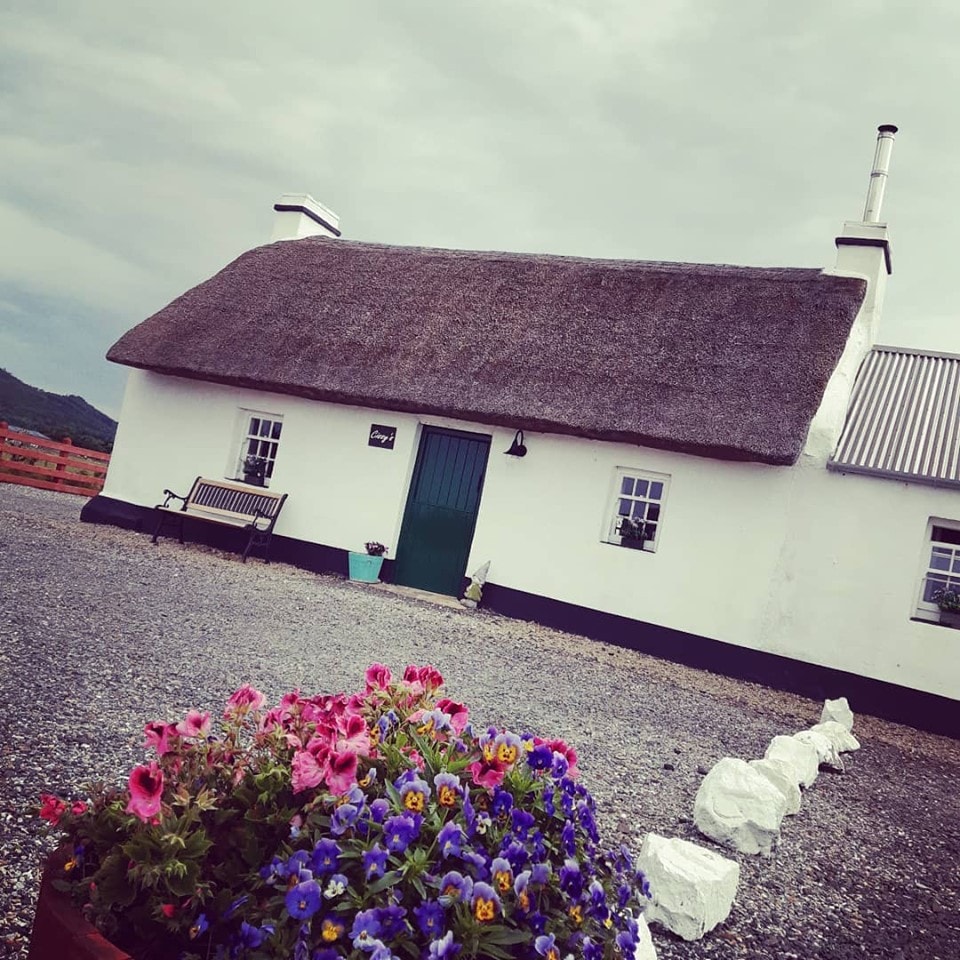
x,y
796,561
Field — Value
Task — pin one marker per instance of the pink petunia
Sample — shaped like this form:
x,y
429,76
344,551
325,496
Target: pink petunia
x,y
79,808
243,700
160,736
430,678
487,773
378,677
306,772
146,789
457,713
51,808
355,736
196,724
342,772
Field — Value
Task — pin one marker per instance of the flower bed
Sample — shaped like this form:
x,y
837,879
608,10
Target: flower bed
x,y
380,825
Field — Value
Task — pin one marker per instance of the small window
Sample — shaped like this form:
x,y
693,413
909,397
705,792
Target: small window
x,y
636,513
258,447
941,566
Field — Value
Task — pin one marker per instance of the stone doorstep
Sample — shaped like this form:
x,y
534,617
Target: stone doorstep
x,y
412,593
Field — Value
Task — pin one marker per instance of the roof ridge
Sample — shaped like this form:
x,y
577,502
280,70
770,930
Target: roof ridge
x,y
495,256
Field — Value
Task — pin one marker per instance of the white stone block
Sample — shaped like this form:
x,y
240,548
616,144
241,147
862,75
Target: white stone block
x,y
838,734
739,807
693,888
645,948
779,774
801,759
838,710
827,754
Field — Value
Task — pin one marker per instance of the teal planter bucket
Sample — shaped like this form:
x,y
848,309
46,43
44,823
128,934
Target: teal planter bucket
x,y
364,568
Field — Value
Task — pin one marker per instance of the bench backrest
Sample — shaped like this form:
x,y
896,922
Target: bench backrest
x,y
233,500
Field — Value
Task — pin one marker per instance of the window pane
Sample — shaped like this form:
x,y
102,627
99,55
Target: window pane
x,y
639,509
265,428
626,486
945,535
624,508
277,425
641,490
956,564
656,490
254,426
653,512
251,448
651,530
940,558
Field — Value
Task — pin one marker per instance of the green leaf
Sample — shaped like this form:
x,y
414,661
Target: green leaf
x,y
502,935
387,880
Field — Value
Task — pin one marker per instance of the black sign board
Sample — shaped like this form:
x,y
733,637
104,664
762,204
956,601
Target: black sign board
x,y
382,436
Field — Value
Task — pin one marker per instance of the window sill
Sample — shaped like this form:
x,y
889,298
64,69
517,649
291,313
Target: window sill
x,y
932,623
646,548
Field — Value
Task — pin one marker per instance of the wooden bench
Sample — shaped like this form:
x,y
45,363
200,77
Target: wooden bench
x,y
230,504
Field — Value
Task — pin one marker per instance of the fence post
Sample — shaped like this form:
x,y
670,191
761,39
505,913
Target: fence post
x,y
61,461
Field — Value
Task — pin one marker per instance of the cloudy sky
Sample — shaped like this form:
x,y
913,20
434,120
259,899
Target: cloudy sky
x,y
142,145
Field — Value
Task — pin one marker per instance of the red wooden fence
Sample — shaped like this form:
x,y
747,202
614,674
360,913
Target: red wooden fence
x,y
49,465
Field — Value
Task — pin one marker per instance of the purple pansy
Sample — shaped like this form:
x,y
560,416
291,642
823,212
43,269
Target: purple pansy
x,y
303,900
374,862
429,917
398,832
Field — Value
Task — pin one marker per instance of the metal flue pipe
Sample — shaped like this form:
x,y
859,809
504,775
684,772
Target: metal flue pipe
x,y
878,175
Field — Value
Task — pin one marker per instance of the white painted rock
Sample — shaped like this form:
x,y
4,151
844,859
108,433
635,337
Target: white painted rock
x,y
778,773
801,759
645,949
739,807
838,710
693,888
827,754
838,735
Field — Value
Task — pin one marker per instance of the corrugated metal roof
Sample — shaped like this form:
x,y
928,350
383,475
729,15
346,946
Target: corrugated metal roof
x,y
904,418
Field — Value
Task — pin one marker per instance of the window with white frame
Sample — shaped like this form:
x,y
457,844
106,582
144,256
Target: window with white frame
x,y
260,438
636,512
941,565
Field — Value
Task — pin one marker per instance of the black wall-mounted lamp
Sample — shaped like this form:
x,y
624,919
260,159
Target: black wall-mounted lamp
x,y
517,449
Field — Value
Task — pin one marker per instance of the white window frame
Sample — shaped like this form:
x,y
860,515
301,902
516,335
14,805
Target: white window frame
x,y
950,558
612,519
267,445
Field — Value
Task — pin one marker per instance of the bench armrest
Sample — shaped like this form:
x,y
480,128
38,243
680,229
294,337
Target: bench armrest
x,y
170,495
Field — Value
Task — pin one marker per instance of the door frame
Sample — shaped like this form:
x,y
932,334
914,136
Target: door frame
x,y
415,463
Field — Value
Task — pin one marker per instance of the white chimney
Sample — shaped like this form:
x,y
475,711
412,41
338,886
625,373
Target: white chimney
x,y
863,250
863,247
299,215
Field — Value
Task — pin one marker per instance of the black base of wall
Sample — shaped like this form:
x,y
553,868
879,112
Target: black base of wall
x,y
925,711
309,556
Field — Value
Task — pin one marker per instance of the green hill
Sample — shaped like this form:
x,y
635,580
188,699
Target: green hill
x,y
55,415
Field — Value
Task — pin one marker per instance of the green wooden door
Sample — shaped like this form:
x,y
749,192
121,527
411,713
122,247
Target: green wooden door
x,y
441,510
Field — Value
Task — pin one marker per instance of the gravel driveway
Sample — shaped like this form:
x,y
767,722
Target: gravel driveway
x,y
101,631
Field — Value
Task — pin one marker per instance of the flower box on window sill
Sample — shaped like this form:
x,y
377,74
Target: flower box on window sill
x,y
632,543
950,618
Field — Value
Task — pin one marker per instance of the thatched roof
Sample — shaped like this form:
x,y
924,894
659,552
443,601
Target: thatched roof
x,y
720,361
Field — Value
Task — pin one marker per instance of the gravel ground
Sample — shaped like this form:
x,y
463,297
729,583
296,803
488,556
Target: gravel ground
x,y
101,631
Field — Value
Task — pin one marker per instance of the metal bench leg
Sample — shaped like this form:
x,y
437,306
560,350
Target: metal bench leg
x,y
156,532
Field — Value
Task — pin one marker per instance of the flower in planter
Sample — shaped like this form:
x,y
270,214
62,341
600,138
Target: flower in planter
x,y
947,599
633,529
375,549
380,823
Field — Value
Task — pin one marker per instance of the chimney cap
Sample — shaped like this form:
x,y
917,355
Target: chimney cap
x,y
887,128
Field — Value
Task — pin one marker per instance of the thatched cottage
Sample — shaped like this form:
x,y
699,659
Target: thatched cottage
x,y
545,413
